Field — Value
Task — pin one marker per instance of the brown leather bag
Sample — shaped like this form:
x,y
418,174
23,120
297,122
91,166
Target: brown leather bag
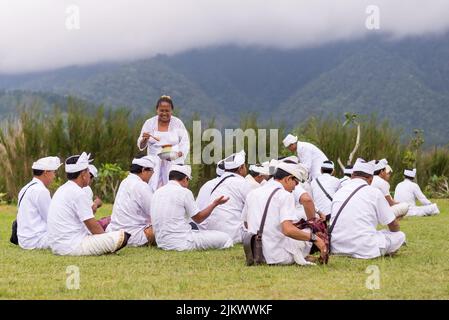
x,y
252,243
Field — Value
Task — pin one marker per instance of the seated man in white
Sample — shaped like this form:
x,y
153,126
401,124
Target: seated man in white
x,y
324,187
203,198
172,208
97,203
347,173
304,204
382,175
132,205
33,202
309,155
408,191
72,228
282,241
354,227
232,184
257,175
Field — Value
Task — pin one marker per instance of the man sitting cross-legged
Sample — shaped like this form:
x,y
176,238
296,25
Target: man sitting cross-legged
x,y
172,208
72,228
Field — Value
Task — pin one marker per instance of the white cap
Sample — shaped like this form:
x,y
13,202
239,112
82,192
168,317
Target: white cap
x,y
93,170
272,166
289,139
410,173
296,170
291,158
47,164
382,164
145,162
265,171
348,171
81,164
219,171
388,168
327,165
363,166
185,169
235,160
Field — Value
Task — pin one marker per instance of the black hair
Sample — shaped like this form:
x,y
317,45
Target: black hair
x,y
37,172
280,174
135,168
290,162
377,172
410,178
253,173
348,174
165,99
361,174
73,160
176,175
233,170
221,165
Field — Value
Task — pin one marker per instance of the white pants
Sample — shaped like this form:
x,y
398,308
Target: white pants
x,y
419,211
138,237
98,244
209,239
400,209
394,240
41,243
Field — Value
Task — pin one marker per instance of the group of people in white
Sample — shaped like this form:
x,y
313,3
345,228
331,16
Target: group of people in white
x,y
154,206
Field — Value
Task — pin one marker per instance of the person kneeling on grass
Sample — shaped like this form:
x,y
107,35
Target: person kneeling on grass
x,y
282,241
353,224
172,207
131,210
72,228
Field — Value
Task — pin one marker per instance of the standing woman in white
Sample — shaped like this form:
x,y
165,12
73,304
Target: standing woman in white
x,y
164,132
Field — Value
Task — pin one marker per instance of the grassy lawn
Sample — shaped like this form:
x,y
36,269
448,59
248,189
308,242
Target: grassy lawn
x,y
419,271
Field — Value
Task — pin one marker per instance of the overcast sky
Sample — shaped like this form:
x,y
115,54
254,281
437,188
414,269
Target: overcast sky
x,y
43,34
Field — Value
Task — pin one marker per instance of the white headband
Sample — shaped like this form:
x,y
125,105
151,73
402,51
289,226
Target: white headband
x,y
235,160
410,173
145,162
81,164
326,165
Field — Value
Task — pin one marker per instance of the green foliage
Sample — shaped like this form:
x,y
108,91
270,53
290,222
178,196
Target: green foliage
x,y
438,187
110,135
108,181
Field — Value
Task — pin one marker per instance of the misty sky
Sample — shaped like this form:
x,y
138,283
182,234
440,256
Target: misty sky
x,y
34,33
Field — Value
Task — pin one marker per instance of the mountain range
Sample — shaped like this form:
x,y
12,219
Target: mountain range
x,y
405,81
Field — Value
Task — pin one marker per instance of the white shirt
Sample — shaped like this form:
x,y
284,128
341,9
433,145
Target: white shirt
x,y
172,208
69,208
228,217
89,192
311,157
297,193
408,191
254,184
344,180
282,208
132,205
32,214
355,232
176,126
382,185
331,185
203,199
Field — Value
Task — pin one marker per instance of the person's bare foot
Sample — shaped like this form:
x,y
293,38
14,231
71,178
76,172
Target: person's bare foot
x,y
312,259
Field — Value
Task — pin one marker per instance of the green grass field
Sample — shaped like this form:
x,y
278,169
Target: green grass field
x,y
419,271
